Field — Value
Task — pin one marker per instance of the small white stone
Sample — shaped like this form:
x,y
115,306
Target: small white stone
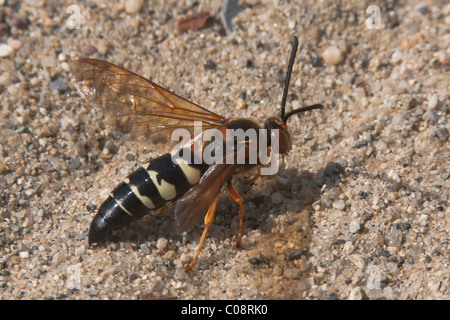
x,y
433,101
35,3
65,122
411,210
356,294
348,247
180,273
74,279
240,104
396,57
62,57
395,238
5,50
333,55
14,44
161,244
339,205
354,226
358,261
169,254
24,254
133,6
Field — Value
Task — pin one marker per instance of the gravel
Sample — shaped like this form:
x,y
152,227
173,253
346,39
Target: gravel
x,y
361,201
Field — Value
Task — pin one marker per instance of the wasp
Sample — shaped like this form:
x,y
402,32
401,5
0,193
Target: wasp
x,y
140,105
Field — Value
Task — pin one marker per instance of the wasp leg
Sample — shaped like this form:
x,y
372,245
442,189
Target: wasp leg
x,y
237,198
209,218
253,179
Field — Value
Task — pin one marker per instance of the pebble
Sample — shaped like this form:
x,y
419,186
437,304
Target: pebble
x,y
133,6
89,50
356,294
360,144
358,261
74,163
48,61
161,244
58,85
62,57
333,168
110,147
15,44
65,122
293,254
339,205
5,50
342,163
102,47
333,55
354,226
332,133
291,24
395,238
374,293
280,76
109,272
405,226
411,209
292,273
229,10
276,198
240,104
348,247
433,101
380,145
180,273
74,279
442,133
396,57
35,3
210,65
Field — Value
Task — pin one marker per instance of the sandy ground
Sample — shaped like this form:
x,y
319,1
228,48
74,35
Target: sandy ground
x,y
359,209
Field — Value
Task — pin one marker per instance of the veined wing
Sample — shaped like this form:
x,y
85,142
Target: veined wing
x,y
135,103
203,195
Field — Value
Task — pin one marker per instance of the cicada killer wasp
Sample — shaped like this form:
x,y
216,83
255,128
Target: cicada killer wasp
x,y
136,103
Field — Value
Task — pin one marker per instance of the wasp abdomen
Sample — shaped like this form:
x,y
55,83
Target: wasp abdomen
x,y
149,188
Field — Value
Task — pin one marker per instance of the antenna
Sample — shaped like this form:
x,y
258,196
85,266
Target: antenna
x,y
308,108
285,116
288,75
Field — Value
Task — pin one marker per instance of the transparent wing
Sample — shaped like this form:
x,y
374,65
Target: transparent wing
x,y
135,103
199,199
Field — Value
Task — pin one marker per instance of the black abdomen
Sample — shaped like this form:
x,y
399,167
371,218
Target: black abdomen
x,y
149,188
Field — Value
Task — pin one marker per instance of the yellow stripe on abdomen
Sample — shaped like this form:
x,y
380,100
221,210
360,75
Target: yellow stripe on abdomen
x,y
144,199
165,189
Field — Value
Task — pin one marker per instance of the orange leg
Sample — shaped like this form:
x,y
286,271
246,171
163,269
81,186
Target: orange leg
x,y
237,198
253,179
209,218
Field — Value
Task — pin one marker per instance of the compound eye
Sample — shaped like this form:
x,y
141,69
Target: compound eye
x,y
284,140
